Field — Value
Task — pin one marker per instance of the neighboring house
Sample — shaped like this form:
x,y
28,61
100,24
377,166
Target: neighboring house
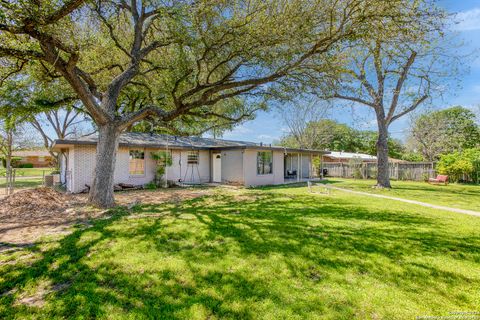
x,y
345,157
194,160
340,156
38,158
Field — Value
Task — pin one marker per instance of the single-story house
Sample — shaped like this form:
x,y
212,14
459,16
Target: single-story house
x,y
194,160
39,158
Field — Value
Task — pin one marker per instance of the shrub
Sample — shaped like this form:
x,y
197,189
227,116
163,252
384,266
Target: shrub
x,y
412,157
25,165
356,164
163,160
13,163
425,176
461,165
151,185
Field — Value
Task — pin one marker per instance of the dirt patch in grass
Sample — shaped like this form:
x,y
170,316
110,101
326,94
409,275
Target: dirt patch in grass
x,y
30,214
34,202
36,298
159,196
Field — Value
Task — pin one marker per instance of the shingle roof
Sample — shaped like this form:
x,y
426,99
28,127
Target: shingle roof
x,y
148,140
155,140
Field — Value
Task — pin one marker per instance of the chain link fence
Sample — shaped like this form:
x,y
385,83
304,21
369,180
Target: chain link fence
x,y
17,179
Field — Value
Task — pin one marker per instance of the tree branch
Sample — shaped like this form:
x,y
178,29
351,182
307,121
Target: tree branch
x,y
354,99
410,109
65,10
398,87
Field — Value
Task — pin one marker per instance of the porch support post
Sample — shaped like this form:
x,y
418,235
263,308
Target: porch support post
x,y
310,172
298,167
321,166
210,165
301,166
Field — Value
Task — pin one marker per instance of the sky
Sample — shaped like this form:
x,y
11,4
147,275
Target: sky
x,y
268,126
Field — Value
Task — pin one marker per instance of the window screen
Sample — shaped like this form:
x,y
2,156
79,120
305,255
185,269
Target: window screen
x,y
264,162
192,157
137,163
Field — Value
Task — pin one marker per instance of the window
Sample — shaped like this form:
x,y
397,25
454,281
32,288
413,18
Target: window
x,y
137,163
192,157
264,162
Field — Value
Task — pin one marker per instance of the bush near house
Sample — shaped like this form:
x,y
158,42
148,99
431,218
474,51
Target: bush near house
x,y
25,165
14,161
163,160
461,166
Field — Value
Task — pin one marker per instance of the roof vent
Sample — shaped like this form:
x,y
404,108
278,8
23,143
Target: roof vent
x,y
261,144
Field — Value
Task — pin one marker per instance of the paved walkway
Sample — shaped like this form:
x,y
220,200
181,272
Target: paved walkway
x,y
428,205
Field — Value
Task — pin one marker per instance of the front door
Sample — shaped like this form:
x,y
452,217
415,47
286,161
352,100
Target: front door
x,y
217,167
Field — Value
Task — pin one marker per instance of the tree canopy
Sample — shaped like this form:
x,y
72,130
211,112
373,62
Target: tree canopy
x,y
444,131
395,70
188,65
334,136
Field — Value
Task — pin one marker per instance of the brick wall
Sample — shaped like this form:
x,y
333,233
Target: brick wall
x,y
82,164
37,161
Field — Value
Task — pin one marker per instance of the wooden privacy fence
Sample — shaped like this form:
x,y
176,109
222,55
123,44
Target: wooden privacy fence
x,y
416,171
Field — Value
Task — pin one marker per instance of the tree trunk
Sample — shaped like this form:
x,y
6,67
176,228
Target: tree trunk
x,y
8,161
383,178
101,191
8,157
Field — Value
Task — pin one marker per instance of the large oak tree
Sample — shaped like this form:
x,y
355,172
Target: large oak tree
x,y
396,70
198,53
193,60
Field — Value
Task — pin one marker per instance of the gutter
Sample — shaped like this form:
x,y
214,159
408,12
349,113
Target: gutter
x,y
63,144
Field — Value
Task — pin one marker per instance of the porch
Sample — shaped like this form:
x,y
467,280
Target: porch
x,y
300,167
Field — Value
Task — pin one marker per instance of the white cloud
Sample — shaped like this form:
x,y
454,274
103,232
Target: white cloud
x,y
467,20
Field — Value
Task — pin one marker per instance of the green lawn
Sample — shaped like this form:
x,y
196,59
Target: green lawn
x,y
454,195
23,183
28,172
268,253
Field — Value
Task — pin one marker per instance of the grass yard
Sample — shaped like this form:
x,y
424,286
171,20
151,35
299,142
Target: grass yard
x,y
28,172
463,196
268,253
23,183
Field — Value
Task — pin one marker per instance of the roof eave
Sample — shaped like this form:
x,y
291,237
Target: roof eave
x,y
66,144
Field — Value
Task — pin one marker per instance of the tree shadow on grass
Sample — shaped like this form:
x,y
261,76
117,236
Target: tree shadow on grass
x,y
199,251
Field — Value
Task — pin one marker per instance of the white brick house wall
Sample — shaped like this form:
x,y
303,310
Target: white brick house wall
x,y
238,166
181,170
82,165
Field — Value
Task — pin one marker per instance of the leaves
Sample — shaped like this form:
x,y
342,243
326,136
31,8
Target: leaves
x,y
444,131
